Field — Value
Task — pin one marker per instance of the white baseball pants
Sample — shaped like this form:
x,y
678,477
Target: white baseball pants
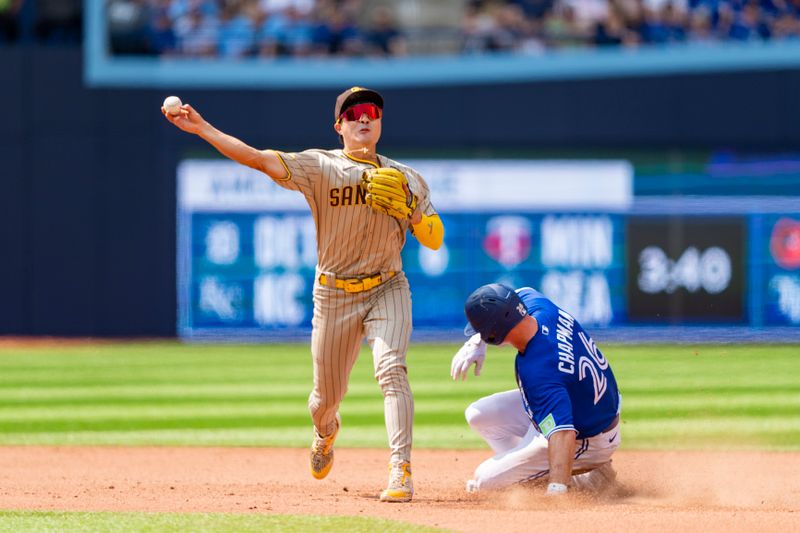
x,y
520,450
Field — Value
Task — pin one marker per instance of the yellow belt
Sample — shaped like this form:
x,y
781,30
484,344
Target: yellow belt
x,y
357,284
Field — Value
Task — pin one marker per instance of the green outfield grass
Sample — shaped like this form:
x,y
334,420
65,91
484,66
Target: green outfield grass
x,y
675,397
14,521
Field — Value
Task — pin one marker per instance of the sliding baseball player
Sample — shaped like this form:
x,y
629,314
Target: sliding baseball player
x,y
562,424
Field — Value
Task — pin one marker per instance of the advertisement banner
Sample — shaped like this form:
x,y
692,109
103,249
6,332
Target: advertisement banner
x,y
686,269
575,259
781,250
247,248
250,271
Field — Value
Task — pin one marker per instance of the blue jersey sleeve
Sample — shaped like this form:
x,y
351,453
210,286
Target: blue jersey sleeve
x,y
554,412
548,405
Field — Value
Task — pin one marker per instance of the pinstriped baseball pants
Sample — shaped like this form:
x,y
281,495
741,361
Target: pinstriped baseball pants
x,y
341,322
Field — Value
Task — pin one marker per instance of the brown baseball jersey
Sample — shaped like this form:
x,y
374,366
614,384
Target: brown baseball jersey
x,y
354,241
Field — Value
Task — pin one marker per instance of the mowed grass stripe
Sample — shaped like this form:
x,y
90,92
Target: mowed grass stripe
x,y
205,522
203,421
451,418
211,372
21,401
374,436
362,389
288,436
122,385
726,434
235,393
113,376
432,409
763,397
719,385
164,391
732,425
776,388
289,409
669,411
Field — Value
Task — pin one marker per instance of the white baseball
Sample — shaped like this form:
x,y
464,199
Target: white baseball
x,y
173,105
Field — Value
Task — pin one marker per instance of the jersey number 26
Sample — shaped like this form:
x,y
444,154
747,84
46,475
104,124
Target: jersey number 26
x,y
594,365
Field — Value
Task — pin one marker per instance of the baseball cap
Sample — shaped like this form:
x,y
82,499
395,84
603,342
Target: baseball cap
x,y
355,95
493,310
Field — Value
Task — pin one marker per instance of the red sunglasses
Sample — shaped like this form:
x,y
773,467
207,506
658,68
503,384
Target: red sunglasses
x,y
355,112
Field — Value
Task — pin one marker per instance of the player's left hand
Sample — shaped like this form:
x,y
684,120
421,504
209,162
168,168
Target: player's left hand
x,y
387,192
473,351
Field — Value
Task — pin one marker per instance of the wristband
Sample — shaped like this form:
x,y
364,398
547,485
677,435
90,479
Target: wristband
x,y
556,488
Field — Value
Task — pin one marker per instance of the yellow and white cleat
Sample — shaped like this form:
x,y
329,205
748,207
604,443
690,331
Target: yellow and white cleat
x,y
322,451
400,488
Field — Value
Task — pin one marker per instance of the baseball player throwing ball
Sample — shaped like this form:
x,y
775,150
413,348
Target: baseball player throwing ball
x,y
565,427
362,204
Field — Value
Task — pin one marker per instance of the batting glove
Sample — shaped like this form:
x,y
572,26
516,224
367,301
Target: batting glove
x,y
473,351
556,489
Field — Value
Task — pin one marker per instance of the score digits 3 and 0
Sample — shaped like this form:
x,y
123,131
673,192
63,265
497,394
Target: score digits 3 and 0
x,y
709,270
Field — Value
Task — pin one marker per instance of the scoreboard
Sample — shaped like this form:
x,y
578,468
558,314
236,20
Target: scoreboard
x,y
247,250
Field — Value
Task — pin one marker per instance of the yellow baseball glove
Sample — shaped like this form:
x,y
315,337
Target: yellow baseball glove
x,y
388,192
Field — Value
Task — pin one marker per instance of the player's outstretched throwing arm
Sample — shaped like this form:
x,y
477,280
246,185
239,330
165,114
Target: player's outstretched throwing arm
x,y
190,121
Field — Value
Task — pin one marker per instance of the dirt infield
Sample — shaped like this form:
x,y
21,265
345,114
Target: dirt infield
x,y
678,491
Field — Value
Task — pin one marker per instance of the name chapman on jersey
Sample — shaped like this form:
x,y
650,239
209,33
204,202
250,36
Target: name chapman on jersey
x,y
347,195
566,351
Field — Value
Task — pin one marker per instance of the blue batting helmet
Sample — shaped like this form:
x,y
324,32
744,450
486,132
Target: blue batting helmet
x,y
493,310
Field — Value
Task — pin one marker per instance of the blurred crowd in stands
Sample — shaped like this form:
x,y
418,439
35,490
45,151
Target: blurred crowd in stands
x,y
535,25
270,28
246,28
